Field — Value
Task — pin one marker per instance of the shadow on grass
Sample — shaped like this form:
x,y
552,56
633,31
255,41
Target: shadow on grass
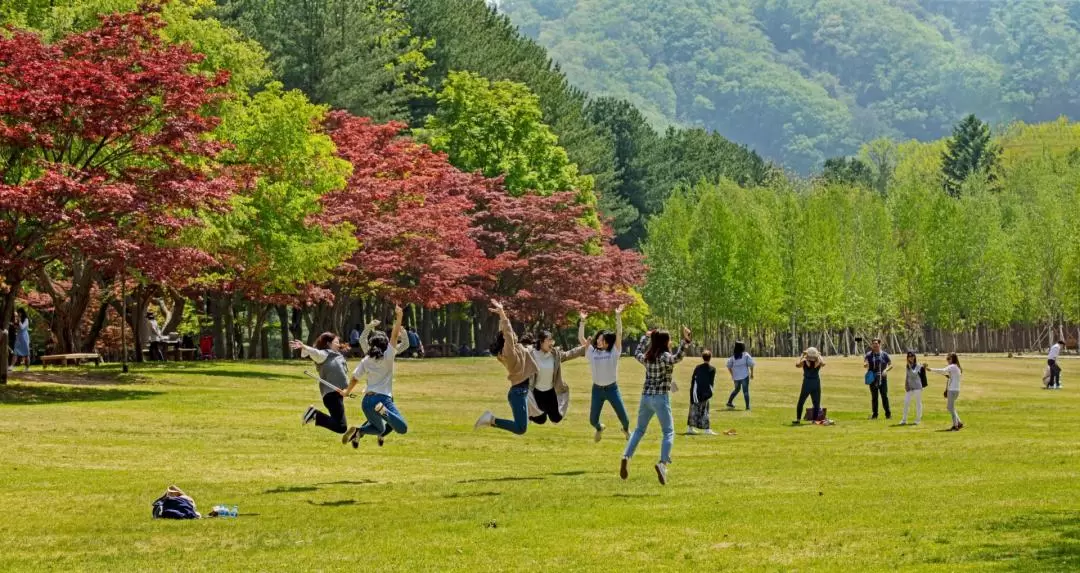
x,y
293,489
570,474
502,479
337,503
222,373
456,495
1058,550
349,482
634,495
24,394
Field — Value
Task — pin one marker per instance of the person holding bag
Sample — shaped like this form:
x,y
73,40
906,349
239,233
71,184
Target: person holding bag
x,y
701,391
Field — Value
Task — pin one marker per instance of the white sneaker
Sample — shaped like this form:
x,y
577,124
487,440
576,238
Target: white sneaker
x,y
486,420
309,415
599,433
690,430
709,433
626,434
661,473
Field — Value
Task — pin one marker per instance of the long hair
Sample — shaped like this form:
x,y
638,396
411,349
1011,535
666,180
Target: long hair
x,y
378,343
607,335
324,341
740,349
496,347
659,342
22,314
911,354
954,359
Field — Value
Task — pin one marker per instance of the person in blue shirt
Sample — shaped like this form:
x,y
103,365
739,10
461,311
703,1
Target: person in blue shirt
x,y
878,363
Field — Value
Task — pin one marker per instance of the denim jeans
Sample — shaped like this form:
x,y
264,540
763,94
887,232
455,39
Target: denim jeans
x,y
519,408
375,425
743,385
660,406
611,394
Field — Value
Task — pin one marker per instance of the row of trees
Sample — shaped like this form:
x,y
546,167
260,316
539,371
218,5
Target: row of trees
x,y
986,265
149,158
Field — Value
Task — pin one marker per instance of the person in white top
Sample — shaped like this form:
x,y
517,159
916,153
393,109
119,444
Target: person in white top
x,y
549,396
603,356
952,391
382,415
741,367
1052,363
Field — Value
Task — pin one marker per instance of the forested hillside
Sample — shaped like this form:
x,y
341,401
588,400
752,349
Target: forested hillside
x,y
800,81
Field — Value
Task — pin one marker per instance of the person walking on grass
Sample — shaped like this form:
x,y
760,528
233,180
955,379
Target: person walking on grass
x,y
878,364
333,370
701,391
603,357
741,367
914,382
952,391
1052,362
22,340
520,369
549,396
378,405
811,364
655,352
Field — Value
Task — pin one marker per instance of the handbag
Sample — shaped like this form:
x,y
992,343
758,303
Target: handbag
x,y
922,376
870,377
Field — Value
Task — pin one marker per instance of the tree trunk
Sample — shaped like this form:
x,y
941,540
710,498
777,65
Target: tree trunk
x,y
218,329
100,319
230,330
176,314
283,318
7,308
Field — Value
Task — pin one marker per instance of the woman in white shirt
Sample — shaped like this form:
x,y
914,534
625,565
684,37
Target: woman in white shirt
x,y
952,392
382,415
549,396
603,356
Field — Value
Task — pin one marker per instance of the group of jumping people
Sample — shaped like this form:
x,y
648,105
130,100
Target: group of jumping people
x,y
538,393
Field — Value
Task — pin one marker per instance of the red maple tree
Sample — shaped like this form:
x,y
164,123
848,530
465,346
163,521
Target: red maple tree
x,y
104,150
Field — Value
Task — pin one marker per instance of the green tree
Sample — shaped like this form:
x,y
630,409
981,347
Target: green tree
x,y
847,171
968,152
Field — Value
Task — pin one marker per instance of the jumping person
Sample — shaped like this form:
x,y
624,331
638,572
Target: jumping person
x,y
327,356
701,391
378,403
549,396
520,369
22,340
1052,362
655,353
952,392
914,382
603,356
811,364
741,367
877,361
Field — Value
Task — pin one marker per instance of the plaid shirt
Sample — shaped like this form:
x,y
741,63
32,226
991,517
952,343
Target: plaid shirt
x,y
658,373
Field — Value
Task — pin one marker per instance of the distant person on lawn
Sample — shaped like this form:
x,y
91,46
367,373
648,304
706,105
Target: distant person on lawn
x,y
741,367
701,391
952,392
811,364
1052,362
878,362
914,382
22,340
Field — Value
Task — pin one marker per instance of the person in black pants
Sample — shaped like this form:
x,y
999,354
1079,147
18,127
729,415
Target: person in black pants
x,y
1052,362
333,370
877,361
811,364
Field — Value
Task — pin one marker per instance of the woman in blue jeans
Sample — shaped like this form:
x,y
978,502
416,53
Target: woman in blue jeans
x,y
520,366
655,353
382,414
741,367
603,355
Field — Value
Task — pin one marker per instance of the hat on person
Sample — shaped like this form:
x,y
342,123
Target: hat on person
x,y
813,353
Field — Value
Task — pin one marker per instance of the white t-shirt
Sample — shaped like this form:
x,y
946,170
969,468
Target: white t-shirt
x,y
954,376
604,365
545,370
1055,350
380,372
740,369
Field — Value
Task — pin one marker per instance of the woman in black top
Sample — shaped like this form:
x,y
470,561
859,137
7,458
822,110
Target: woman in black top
x,y
811,364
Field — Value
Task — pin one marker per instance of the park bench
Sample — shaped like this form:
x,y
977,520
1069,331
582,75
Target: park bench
x,y
77,358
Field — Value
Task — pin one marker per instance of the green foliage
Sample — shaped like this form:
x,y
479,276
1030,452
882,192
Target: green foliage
x,y
968,152
848,171
359,55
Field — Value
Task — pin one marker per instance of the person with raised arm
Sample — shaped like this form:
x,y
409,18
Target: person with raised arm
x,y
520,369
602,353
378,405
334,374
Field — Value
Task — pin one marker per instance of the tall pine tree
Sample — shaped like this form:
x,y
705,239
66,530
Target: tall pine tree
x,y
969,151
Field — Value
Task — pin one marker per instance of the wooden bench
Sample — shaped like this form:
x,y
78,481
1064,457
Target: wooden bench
x,y
77,358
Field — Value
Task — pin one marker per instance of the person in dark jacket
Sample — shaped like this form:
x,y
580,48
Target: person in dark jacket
x,y
701,390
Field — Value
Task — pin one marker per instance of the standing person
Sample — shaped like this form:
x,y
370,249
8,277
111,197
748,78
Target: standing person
x,y
378,403
549,395
914,382
354,340
655,353
811,364
328,357
741,367
701,391
1052,362
520,369
878,364
156,351
952,391
416,348
22,340
603,356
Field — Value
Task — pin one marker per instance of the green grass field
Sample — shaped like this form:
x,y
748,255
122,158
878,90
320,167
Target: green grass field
x,y
80,465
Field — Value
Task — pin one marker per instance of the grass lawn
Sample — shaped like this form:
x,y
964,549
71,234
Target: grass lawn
x,y
80,465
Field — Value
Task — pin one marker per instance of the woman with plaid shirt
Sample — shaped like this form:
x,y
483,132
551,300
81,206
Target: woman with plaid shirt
x,y
654,352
